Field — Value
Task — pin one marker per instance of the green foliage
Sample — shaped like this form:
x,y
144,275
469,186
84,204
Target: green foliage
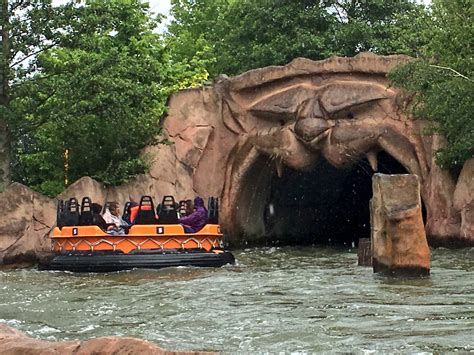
x,y
90,79
441,82
97,94
247,34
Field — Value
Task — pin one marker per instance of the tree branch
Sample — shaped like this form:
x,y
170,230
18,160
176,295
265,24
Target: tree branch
x,y
16,6
451,69
32,54
36,78
338,13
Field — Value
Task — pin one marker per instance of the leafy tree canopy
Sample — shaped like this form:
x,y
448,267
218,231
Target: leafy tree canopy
x,y
441,81
82,85
246,34
91,96
238,35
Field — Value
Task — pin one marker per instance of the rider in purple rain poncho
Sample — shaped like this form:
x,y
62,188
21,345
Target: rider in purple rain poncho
x,y
196,220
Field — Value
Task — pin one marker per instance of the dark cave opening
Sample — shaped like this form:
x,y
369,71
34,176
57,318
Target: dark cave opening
x,y
325,205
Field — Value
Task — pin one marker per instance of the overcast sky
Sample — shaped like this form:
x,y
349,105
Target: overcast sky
x,y
161,6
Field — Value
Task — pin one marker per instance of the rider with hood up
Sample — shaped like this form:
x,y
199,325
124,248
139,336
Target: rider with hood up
x,y
197,219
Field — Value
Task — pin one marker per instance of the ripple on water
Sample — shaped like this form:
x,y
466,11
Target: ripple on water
x,y
274,299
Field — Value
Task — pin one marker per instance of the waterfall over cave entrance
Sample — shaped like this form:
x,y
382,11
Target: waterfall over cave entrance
x,y
326,205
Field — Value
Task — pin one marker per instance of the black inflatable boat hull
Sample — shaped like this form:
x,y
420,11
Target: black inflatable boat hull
x,y
107,262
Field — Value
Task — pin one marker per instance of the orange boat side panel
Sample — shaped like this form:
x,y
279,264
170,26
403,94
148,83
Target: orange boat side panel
x,y
140,237
170,229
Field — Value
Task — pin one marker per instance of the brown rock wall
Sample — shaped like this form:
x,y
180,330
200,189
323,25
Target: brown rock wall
x,y
464,200
27,220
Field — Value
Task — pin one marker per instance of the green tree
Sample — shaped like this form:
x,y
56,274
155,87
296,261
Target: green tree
x,y
441,82
94,97
380,26
27,29
245,34
4,96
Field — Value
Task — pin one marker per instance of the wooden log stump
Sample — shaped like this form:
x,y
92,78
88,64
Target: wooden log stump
x,y
364,252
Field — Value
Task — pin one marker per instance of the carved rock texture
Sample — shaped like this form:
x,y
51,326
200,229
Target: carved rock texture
x,y
14,342
464,199
27,220
230,138
399,243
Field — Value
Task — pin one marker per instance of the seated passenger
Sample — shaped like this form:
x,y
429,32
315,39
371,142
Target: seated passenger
x,y
189,207
97,218
112,217
197,219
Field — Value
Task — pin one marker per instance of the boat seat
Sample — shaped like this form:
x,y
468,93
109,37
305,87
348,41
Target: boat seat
x,y
146,211
86,219
182,208
168,212
60,214
71,212
126,211
213,210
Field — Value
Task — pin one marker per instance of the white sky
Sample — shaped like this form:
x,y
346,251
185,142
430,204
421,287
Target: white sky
x,y
160,6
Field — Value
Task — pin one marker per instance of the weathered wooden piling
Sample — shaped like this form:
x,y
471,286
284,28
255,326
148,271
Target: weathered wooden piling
x,y
399,244
364,252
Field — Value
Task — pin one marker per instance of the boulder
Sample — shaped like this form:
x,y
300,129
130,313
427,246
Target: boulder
x,y
85,186
27,220
14,342
399,245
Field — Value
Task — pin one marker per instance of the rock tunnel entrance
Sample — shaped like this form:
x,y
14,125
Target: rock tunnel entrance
x,y
326,205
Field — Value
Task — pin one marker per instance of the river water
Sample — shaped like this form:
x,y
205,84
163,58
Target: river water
x,y
275,299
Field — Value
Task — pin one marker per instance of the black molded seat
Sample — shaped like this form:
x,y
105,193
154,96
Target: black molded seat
x,y
182,208
126,211
168,212
86,218
146,215
213,210
60,214
71,212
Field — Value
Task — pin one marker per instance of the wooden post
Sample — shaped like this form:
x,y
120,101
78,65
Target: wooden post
x,y
364,252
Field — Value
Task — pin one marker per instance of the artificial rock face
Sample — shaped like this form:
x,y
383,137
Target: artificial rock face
x,y
14,342
234,136
399,245
27,220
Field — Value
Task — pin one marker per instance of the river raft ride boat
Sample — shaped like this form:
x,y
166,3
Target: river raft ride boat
x,y
81,246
